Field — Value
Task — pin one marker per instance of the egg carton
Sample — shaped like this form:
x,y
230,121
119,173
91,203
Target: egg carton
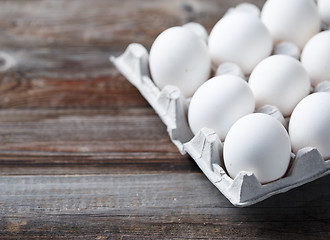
x,y
205,147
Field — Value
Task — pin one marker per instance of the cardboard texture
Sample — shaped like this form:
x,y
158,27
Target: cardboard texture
x,y
205,147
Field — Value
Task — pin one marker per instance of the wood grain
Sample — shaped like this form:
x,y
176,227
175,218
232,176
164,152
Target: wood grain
x,y
82,154
60,49
154,206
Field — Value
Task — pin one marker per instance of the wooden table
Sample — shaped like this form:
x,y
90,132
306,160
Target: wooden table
x,y
82,154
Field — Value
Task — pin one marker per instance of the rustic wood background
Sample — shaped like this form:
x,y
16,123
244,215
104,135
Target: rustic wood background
x,y
82,154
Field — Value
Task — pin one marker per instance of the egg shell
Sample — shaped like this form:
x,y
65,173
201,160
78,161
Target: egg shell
x,y
324,9
315,57
248,8
240,38
280,81
219,103
310,124
179,57
197,29
257,143
294,21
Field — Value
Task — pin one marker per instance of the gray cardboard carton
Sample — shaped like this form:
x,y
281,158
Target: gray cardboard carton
x,y
205,147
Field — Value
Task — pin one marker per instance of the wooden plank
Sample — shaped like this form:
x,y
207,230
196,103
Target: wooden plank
x,y
112,24
154,206
117,140
59,49
88,92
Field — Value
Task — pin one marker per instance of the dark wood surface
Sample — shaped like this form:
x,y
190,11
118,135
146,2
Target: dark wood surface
x,y
82,154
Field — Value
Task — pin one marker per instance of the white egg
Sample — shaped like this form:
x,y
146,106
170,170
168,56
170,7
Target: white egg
x,y
310,124
324,9
280,81
257,143
240,38
178,57
219,103
198,29
248,8
316,57
293,21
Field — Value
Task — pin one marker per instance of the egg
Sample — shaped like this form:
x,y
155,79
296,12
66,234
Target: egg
x,y
293,21
240,38
310,124
198,29
248,8
179,57
219,103
324,9
257,143
315,57
280,81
